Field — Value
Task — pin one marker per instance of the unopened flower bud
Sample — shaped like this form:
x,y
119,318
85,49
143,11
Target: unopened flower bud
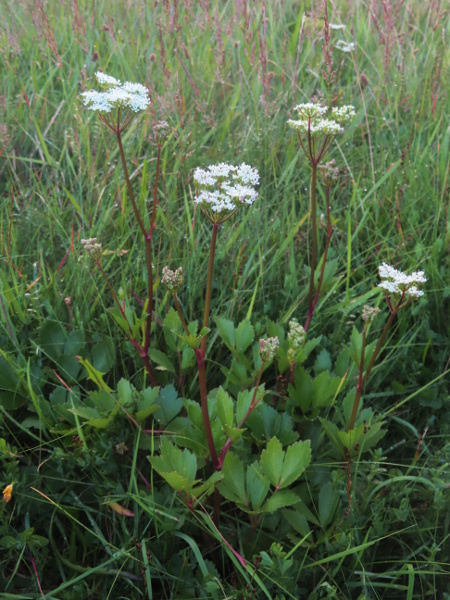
x,y
268,348
161,131
330,173
92,247
173,280
296,335
369,313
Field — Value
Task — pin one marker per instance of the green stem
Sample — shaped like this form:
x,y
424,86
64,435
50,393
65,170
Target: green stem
x,y
212,251
314,244
378,347
324,262
362,379
180,314
148,250
200,353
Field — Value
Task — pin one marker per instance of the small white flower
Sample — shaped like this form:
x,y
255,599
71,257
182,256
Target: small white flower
x,y
396,282
343,113
121,95
223,188
344,46
337,26
310,110
102,78
316,127
246,175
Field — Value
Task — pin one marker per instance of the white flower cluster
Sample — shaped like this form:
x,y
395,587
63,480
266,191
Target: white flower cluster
x,y
344,46
343,113
316,127
311,121
396,282
223,188
310,109
119,95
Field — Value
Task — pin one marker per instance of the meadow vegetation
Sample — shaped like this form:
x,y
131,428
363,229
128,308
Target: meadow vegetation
x,y
210,397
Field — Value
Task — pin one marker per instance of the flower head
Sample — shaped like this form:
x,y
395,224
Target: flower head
x,y
316,130
329,172
296,335
133,96
223,188
268,348
344,46
369,313
92,247
173,280
399,284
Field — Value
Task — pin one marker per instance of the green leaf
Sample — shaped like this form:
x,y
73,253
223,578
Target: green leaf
x,y
272,461
244,400
170,405
322,362
347,405
332,432
208,486
194,413
172,327
178,467
233,483
257,486
187,358
245,334
324,389
103,355
297,459
93,374
52,339
225,408
328,501
355,346
161,359
226,332
301,394
125,393
233,433
147,406
102,401
279,500
75,343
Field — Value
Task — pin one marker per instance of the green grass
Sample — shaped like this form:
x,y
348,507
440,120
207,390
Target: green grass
x,y
226,76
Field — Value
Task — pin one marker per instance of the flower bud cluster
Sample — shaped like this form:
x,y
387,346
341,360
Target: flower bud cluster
x,y
117,95
268,348
329,172
92,247
369,313
161,131
296,339
395,282
223,188
173,280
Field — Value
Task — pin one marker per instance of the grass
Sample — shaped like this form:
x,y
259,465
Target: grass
x,y
226,77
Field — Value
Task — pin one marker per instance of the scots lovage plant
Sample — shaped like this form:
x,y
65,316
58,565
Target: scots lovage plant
x,y
243,443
